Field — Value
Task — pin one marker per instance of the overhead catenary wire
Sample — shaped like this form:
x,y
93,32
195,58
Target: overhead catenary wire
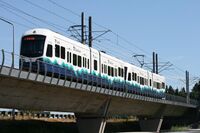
x,y
12,12
23,25
60,6
58,27
49,11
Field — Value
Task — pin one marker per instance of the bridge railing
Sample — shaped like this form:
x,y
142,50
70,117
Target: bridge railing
x,y
194,102
40,67
175,98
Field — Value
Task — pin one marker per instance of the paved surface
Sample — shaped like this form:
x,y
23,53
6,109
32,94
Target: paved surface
x,y
189,131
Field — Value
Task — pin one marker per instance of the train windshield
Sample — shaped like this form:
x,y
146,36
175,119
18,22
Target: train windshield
x,y
32,45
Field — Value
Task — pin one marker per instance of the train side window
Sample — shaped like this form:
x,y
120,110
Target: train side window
x,y
119,72
105,69
57,50
150,82
109,70
79,61
49,50
133,76
88,63
62,52
95,65
115,72
122,72
112,71
129,76
74,59
67,56
101,68
142,81
70,57
158,85
138,79
83,61
163,85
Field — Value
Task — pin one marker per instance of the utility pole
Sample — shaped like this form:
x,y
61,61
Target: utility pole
x,y
187,87
90,31
156,63
82,28
153,62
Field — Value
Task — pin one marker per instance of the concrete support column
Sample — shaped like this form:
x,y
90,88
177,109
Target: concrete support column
x,y
91,125
151,125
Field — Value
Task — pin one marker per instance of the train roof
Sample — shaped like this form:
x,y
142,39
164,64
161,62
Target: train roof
x,y
48,32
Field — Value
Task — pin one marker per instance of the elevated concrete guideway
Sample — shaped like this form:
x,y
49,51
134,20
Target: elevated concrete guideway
x,y
91,104
24,90
38,92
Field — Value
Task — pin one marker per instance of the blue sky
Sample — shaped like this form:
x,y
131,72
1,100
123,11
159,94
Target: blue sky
x,y
169,27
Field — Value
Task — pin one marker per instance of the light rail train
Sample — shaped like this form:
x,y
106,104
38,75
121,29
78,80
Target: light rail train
x,y
74,60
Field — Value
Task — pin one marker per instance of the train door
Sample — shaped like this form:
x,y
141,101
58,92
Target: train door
x,y
125,72
94,61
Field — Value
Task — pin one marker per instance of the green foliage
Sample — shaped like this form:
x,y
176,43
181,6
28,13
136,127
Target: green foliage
x,y
182,92
176,92
169,90
179,128
195,94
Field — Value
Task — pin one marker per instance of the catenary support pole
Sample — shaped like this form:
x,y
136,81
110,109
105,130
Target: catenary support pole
x,y
187,87
156,63
82,28
153,62
90,31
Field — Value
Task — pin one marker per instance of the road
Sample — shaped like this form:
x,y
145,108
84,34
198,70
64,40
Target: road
x,y
190,131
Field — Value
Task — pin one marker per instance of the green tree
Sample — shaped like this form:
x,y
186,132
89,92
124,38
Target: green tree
x,y
170,90
182,92
196,91
176,92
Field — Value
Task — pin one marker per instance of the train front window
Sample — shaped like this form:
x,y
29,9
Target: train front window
x,y
32,45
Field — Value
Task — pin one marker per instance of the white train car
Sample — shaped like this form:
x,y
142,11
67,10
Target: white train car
x,y
79,60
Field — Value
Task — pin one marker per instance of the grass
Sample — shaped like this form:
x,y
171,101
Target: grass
x,y
179,128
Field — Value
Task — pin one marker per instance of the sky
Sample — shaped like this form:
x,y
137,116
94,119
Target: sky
x,y
171,28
